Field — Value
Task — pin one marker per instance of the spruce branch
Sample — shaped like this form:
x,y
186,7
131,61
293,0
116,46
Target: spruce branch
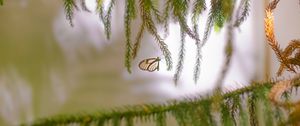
x,y
107,19
228,52
106,16
129,16
227,119
285,57
156,13
181,57
242,12
293,46
189,111
198,8
166,17
69,6
197,68
179,9
138,40
269,31
83,6
242,113
206,109
252,99
161,119
214,10
145,9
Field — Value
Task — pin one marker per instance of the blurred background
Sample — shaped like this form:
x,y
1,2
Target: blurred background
x,y
48,67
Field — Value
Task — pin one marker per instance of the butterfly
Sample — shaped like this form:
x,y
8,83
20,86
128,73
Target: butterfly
x,y
150,64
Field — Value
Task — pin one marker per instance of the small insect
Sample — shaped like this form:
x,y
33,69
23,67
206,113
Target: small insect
x,y
150,64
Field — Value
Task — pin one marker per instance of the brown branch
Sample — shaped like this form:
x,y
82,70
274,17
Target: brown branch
x,y
269,31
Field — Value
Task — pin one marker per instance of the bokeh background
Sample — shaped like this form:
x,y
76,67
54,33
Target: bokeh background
x,y
48,67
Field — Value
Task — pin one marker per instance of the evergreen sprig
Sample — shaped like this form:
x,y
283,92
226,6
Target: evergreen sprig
x,y
138,41
105,16
69,6
166,17
191,111
242,12
197,68
83,6
228,49
198,8
145,11
174,10
287,61
214,10
181,57
179,10
129,16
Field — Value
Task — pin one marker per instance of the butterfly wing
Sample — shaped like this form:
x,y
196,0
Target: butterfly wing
x,y
150,64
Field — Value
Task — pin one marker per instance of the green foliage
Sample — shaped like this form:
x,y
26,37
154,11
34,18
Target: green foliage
x,y
83,6
199,7
146,7
173,10
69,8
198,56
191,111
1,2
242,12
138,40
181,57
129,16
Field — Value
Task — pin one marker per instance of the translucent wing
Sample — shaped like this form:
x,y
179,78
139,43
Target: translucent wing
x,y
150,64
153,66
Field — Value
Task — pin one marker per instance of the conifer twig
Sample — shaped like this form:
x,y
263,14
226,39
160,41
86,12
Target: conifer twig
x,y
185,110
181,57
69,6
242,12
197,68
269,31
228,57
228,51
138,41
129,16
145,9
83,6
